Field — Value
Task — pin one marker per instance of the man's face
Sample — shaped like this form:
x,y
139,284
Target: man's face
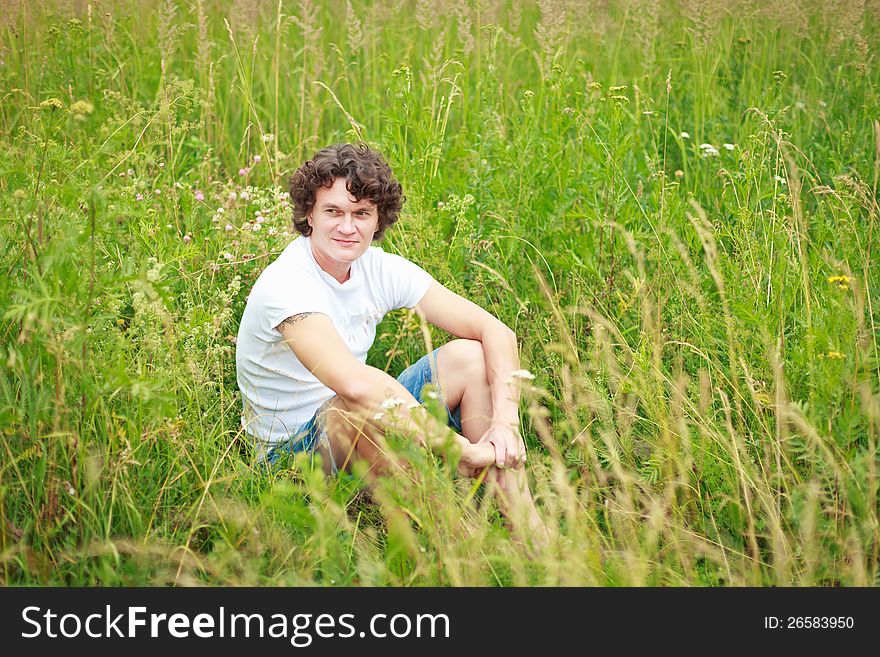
x,y
342,226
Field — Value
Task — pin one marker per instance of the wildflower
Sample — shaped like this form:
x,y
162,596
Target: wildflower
x,y
228,256
271,231
256,227
178,184
200,195
243,171
232,196
840,281
215,267
244,195
19,194
392,402
729,147
69,488
522,374
161,165
139,197
835,355
221,210
257,159
129,173
379,416
780,180
260,219
679,173
168,226
187,239
685,135
157,192
82,107
228,227
52,103
708,150
268,138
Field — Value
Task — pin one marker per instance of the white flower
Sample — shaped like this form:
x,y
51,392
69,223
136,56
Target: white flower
x,y
522,374
708,150
780,180
685,135
228,256
260,219
392,402
228,227
256,227
378,416
267,138
232,196
221,210
244,195
729,147
69,488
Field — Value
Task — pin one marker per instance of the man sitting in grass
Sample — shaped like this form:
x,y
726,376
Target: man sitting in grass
x,y
311,318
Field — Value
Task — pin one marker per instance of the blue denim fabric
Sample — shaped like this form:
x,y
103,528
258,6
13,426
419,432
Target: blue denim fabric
x,y
310,434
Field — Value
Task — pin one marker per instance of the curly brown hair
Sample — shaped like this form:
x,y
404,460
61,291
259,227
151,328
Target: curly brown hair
x,y
367,176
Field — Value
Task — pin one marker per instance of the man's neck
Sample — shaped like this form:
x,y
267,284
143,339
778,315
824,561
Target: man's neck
x,y
340,271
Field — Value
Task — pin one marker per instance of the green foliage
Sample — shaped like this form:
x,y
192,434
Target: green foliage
x,y
677,217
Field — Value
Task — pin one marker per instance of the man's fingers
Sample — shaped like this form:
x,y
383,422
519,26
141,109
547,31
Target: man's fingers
x,y
500,453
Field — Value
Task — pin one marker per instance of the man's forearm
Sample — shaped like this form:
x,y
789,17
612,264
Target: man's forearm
x,y
380,388
502,359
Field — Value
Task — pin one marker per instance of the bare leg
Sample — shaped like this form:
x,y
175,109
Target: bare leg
x,y
464,384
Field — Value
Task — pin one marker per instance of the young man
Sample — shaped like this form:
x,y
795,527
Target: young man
x,y
311,318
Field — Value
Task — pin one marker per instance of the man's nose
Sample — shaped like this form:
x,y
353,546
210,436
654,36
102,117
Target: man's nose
x,y
347,224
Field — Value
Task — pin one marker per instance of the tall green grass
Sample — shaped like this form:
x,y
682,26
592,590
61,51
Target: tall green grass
x,y
674,205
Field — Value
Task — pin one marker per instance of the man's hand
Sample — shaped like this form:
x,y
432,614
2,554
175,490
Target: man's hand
x,y
510,450
474,457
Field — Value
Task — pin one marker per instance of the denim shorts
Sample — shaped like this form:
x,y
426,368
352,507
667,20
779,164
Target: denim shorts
x,y
311,434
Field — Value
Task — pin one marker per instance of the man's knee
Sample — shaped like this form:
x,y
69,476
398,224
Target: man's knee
x,y
464,357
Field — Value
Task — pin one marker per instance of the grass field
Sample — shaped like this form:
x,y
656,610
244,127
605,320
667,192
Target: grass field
x,y
673,204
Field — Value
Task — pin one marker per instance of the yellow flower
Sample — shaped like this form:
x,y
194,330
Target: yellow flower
x,y
52,103
840,281
835,355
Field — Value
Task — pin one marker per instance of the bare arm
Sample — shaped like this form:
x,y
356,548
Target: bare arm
x,y
465,319
319,348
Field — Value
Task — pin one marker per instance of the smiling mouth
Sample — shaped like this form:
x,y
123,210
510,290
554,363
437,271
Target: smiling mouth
x,y
345,241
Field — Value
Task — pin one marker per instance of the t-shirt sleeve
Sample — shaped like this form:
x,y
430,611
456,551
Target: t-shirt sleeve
x,y
404,280
279,299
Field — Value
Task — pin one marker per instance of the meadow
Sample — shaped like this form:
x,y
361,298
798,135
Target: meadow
x,y
673,204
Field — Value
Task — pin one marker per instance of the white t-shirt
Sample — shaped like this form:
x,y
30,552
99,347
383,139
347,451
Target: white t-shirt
x,y
278,392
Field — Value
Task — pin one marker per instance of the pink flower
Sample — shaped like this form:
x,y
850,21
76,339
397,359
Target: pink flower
x,y
257,159
139,197
243,172
260,219
200,195
187,239
228,227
